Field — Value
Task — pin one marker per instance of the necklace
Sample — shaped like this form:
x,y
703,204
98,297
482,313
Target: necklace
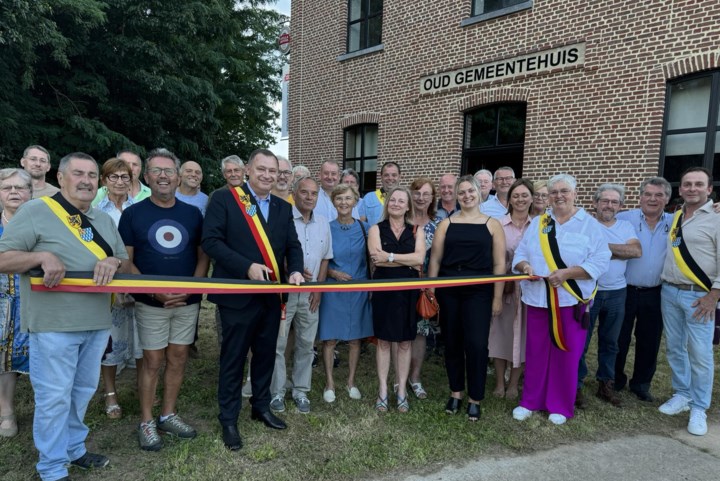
x,y
4,218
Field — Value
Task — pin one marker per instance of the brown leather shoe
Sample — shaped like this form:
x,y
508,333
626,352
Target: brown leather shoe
x,y
580,399
606,392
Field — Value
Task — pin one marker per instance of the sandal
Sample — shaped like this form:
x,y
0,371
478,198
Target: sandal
x,y
402,404
381,404
417,388
473,412
12,430
113,411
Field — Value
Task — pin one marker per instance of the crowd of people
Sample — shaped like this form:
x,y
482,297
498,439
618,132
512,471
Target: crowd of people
x,y
631,271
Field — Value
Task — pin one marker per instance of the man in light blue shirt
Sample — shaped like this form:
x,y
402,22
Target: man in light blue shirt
x,y
191,176
496,206
609,304
329,178
373,202
642,304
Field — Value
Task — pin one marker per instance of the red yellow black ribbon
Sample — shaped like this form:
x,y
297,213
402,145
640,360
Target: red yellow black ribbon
x,y
683,258
556,328
145,284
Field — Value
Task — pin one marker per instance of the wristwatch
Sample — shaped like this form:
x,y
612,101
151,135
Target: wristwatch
x,y
391,257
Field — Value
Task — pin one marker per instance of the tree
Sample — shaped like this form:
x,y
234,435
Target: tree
x,y
197,77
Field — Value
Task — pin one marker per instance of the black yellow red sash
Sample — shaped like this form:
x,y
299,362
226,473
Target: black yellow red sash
x,y
380,195
79,225
551,253
146,284
257,225
683,258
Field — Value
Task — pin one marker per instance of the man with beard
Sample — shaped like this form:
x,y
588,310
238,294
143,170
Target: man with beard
x,y
36,162
284,180
609,304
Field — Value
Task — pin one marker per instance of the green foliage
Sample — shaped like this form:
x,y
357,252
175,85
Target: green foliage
x,y
197,77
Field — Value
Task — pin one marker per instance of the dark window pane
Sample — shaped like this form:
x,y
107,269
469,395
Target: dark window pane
x,y
376,7
481,126
369,181
355,9
374,31
512,124
716,158
352,164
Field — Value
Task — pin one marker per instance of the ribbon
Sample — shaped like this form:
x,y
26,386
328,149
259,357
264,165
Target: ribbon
x,y
146,284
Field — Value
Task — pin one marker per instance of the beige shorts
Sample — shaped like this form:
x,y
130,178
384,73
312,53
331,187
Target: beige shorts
x,y
157,327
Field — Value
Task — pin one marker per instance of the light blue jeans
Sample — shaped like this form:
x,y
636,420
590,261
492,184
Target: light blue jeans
x,y
64,372
689,347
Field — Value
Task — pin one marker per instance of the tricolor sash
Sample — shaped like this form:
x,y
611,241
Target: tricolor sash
x,y
79,225
551,253
258,228
683,258
380,195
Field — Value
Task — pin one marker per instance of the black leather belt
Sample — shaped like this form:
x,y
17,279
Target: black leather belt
x,y
640,288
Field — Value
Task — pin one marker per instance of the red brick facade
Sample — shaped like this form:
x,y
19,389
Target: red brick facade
x,y
601,121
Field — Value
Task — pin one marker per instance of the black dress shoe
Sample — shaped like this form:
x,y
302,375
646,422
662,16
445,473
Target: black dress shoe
x,y
473,411
643,395
453,405
231,438
269,419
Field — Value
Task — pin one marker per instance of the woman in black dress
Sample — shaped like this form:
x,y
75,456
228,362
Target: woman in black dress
x,y
397,253
468,243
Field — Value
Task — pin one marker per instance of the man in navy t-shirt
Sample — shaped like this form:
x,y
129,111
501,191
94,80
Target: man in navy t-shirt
x,y
162,236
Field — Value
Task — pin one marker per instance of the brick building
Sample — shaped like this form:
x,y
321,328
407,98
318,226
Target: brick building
x,y
607,90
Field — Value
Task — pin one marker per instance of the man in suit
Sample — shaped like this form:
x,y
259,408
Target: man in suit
x,y
232,235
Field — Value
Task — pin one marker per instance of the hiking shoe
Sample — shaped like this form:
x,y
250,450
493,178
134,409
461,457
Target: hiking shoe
x,y
303,404
175,426
278,404
698,422
91,460
148,436
606,392
675,405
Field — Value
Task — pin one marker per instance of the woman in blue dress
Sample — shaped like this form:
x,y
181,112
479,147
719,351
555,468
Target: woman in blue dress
x,y
345,316
15,190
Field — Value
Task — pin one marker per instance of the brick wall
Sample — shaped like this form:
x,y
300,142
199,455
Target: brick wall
x,y
601,122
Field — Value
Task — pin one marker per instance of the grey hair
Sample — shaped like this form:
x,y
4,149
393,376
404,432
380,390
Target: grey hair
x,y
38,147
566,178
163,152
503,168
619,188
7,173
231,159
280,157
301,171
297,182
658,182
75,155
483,171
351,172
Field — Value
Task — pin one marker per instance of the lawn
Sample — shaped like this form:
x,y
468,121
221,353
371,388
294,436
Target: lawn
x,y
340,441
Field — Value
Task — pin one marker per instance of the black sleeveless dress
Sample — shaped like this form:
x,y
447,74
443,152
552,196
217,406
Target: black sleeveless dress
x,y
394,312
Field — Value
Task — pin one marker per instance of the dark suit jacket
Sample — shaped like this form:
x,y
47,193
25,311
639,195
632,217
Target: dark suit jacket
x,y
227,239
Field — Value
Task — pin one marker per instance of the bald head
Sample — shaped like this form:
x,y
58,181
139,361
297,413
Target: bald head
x,y
191,176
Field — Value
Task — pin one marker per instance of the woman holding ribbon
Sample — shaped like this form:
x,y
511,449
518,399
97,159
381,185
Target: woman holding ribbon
x,y
116,176
507,331
15,190
397,253
345,315
468,243
567,248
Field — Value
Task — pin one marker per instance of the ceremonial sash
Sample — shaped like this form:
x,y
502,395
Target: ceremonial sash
x,y
79,225
551,253
683,258
249,209
380,195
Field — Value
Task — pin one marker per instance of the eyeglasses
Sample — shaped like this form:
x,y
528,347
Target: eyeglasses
x,y
563,192
169,171
18,188
422,195
540,196
608,202
505,179
284,173
115,177
42,160
233,171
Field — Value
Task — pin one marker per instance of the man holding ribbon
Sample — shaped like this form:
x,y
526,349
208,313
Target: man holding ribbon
x,y
690,293
68,331
251,235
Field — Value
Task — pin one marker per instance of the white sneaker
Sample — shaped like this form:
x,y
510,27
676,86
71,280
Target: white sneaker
x,y
698,422
521,414
557,419
675,405
329,396
354,393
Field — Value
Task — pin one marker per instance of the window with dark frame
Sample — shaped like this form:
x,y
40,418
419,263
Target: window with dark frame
x,y
364,24
361,146
494,137
691,131
481,7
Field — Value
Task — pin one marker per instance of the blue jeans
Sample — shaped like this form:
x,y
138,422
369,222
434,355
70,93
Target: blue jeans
x,y
609,307
64,372
688,344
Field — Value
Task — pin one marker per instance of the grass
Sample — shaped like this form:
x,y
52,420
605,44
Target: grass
x,y
340,441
